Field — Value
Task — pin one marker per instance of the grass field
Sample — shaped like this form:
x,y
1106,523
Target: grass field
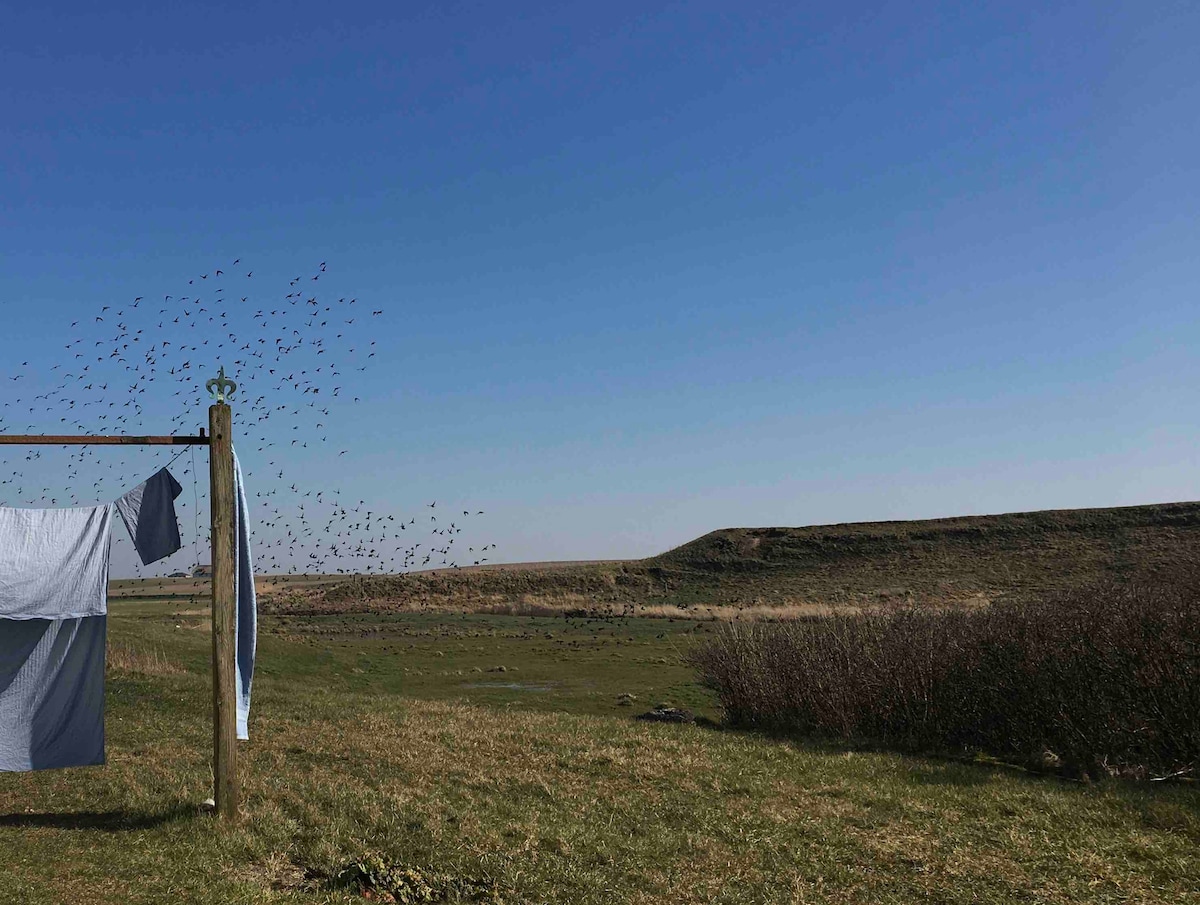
x,y
398,736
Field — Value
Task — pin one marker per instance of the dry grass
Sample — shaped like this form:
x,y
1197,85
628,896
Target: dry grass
x,y
201,588
313,603
780,609
137,660
533,605
556,808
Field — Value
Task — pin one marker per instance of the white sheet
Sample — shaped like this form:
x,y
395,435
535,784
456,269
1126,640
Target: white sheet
x,y
54,562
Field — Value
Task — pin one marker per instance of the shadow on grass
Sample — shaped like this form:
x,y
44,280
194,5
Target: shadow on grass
x,y
928,768
956,772
105,821
934,768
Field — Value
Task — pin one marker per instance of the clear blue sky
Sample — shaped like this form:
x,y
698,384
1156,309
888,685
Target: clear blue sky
x,y
651,269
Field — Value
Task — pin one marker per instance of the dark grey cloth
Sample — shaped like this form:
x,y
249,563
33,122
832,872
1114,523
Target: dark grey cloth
x,y
148,512
52,692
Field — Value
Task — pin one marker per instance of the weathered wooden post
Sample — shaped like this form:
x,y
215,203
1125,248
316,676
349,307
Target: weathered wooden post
x,y
224,606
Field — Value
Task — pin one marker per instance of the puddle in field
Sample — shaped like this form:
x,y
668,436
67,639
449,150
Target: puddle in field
x,y
513,686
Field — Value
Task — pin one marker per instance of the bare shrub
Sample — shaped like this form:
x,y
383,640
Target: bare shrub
x,y
1102,680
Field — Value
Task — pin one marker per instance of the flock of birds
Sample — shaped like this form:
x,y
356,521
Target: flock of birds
x,y
140,368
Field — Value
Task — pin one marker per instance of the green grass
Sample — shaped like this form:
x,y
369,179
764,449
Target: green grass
x,y
375,734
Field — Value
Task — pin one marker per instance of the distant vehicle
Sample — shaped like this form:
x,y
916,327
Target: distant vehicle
x,y
178,575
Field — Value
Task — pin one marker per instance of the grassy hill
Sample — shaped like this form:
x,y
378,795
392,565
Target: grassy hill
x,y
810,569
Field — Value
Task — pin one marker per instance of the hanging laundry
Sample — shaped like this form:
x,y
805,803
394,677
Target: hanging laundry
x,y
53,618
53,623
246,624
148,512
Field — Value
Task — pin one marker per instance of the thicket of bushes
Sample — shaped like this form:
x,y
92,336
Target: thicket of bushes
x,y
1098,681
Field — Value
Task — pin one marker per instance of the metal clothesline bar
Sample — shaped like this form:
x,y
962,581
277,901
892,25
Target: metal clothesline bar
x,y
52,440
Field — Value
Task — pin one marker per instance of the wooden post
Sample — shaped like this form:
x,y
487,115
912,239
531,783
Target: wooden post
x,y
224,613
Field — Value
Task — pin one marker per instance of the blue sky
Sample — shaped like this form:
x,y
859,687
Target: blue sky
x,y
648,270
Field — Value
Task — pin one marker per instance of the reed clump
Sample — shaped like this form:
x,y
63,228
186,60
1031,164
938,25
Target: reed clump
x,y
1097,681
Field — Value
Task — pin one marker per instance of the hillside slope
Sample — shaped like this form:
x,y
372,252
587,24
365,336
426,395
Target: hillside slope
x,y
951,559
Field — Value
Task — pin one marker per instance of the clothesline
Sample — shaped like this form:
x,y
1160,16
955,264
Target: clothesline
x,y
55,440
176,456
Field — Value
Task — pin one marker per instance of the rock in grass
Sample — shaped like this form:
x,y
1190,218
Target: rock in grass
x,y
667,714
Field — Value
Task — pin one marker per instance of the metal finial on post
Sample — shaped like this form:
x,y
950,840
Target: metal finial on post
x,y
221,387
